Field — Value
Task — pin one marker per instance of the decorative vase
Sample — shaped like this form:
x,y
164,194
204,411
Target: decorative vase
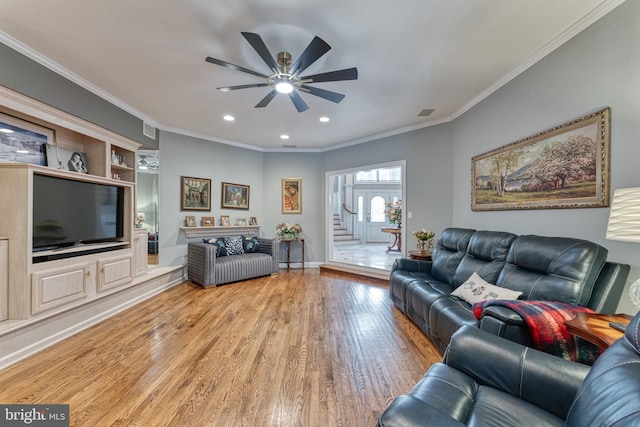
x,y
289,236
421,245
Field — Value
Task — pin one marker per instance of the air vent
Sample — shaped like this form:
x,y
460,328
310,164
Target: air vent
x,y
426,112
148,130
289,146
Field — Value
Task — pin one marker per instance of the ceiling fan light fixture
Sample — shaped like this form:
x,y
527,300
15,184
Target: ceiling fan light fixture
x,y
324,119
284,87
229,118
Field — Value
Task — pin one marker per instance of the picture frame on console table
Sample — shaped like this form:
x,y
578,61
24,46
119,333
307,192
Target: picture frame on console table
x,y
24,142
195,194
567,166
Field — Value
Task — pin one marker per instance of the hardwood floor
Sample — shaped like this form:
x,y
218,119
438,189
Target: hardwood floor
x,y
301,348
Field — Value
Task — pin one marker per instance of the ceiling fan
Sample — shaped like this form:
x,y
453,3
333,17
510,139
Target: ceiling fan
x,y
285,76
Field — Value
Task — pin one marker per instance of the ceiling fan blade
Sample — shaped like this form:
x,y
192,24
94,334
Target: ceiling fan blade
x,y
298,102
311,54
229,88
332,76
234,67
322,93
267,99
256,42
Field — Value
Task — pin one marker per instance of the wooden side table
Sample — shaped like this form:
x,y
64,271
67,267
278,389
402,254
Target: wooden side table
x,y
420,255
595,327
287,243
397,234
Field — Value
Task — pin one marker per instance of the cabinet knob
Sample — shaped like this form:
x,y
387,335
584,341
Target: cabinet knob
x,y
102,270
88,273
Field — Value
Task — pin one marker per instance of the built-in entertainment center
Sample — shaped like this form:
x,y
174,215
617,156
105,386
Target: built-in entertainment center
x,y
69,236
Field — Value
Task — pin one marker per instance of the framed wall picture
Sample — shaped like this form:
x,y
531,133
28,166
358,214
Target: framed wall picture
x,y
22,141
65,159
195,194
253,220
190,220
241,221
291,195
208,221
235,196
225,221
563,167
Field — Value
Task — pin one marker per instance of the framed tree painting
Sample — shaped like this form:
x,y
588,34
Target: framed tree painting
x,y
195,194
291,195
235,196
563,167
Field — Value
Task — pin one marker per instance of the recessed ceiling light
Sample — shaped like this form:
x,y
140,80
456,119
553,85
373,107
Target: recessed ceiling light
x,y
324,119
4,130
229,118
22,151
284,136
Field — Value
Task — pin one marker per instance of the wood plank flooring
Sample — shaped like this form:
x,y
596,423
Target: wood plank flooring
x,y
301,348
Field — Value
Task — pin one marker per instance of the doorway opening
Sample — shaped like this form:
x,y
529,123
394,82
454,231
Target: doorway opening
x,y
359,233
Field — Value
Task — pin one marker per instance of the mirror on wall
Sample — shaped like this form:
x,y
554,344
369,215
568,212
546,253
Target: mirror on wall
x,y
147,174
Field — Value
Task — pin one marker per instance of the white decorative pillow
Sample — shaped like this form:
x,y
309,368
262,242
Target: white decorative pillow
x,y
476,289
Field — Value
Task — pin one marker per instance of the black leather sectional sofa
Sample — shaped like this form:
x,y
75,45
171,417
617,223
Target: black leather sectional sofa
x,y
485,380
542,268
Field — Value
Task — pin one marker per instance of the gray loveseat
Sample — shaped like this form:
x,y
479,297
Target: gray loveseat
x,y
209,264
542,268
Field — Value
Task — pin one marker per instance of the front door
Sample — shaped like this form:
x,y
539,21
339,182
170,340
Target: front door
x,y
375,203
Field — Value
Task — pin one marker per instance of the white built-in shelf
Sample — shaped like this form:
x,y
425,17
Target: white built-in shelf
x,y
231,230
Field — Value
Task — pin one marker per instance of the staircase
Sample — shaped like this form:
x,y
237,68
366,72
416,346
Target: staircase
x,y
340,234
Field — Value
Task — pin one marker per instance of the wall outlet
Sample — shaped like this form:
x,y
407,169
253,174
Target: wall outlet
x,y
409,215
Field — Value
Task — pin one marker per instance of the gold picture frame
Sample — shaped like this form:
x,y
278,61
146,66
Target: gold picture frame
x,y
253,220
241,221
234,196
291,195
564,167
195,194
208,221
225,221
190,221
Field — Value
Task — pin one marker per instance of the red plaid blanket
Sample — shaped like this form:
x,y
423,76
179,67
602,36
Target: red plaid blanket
x,y
545,320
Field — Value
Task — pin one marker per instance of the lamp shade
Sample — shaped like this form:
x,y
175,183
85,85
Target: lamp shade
x,y
624,216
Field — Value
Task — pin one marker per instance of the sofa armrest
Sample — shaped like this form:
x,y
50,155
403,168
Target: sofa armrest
x,y
413,265
201,262
516,369
271,247
408,411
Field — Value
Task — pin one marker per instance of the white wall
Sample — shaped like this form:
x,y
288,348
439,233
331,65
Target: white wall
x,y
598,68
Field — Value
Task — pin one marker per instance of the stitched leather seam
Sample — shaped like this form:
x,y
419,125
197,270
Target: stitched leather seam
x,y
470,396
523,356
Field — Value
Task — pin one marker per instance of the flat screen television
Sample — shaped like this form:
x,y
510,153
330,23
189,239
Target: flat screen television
x,y
68,212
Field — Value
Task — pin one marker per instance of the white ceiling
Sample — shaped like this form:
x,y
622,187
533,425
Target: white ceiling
x,y
148,57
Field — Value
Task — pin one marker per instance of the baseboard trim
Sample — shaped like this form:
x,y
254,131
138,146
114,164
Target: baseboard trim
x,y
48,332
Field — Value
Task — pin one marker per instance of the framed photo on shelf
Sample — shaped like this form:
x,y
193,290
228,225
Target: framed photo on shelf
x,y
566,166
241,221
65,159
253,220
22,141
291,195
225,221
208,221
195,194
235,196
190,220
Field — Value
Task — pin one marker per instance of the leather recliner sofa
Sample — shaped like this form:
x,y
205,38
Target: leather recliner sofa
x,y
542,268
488,380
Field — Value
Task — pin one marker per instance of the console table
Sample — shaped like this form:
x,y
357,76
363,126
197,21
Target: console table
x,y
397,234
287,243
